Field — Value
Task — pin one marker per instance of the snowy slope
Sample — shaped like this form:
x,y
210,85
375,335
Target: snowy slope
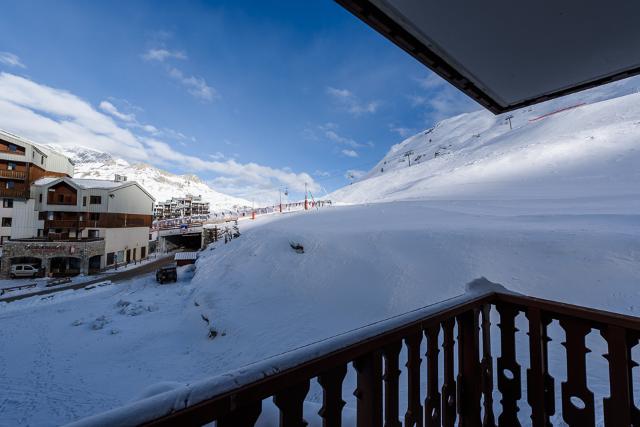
x,y
593,148
161,184
73,355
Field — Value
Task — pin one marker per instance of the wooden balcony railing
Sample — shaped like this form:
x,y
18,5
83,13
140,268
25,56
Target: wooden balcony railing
x,y
18,193
69,223
459,393
12,174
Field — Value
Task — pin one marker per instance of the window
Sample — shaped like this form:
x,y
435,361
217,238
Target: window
x,y
95,200
13,148
94,233
94,216
7,203
40,232
42,215
6,221
111,258
10,185
11,166
84,200
42,160
40,198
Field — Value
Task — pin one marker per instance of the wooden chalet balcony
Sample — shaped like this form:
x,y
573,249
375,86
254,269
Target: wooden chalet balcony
x,y
69,223
458,393
17,193
13,174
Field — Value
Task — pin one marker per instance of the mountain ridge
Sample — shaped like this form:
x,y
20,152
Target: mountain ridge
x,y
162,184
580,145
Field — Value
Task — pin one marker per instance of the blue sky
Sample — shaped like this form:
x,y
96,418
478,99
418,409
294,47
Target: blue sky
x,y
249,95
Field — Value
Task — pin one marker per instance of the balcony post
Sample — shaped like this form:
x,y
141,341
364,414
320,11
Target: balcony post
x,y
469,379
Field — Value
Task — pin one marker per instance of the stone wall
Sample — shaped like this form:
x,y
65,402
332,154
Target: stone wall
x,y
44,251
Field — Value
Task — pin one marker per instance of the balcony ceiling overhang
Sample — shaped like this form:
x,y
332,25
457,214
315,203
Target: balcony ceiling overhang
x,y
507,55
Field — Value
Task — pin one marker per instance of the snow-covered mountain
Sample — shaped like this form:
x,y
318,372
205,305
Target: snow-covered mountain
x,y
586,144
161,184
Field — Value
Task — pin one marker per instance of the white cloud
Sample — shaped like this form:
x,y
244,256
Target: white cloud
x,y
331,134
196,86
417,100
441,99
321,173
402,131
111,109
128,118
10,59
349,153
55,116
349,102
161,55
432,81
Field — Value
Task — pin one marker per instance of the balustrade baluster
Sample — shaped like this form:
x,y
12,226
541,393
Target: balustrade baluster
x,y
540,385
488,420
369,390
617,407
290,402
413,416
448,384
469,388
632,341
332,403
242,416
391,385
432,401
577,399
509,381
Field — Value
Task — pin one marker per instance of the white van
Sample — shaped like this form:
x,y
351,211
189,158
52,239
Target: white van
x,y
23,270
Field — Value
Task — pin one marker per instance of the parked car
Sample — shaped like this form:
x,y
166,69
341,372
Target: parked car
x,y
23,270
167,273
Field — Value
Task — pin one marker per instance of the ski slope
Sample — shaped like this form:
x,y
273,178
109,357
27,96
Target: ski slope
x,y
590,149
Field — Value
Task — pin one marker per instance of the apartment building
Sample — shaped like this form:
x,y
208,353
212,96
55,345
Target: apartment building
x,y
62,224
21,163
80,226
177,207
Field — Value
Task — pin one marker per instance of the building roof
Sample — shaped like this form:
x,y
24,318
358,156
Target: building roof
x,y
508,55
185,256
86,184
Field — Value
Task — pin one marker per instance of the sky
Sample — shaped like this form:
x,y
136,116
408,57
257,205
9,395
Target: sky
x,y
251,96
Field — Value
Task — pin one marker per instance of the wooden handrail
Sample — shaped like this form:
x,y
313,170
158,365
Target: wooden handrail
x,y
235,398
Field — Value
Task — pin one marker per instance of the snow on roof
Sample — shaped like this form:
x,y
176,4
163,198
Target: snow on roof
x,y
98,183
185,256
45,181
85,183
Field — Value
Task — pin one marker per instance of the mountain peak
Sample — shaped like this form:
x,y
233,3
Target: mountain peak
x,y
163,185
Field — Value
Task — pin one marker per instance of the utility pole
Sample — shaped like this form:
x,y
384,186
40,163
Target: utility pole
x,y
306,201
408,155
280,194
508,118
